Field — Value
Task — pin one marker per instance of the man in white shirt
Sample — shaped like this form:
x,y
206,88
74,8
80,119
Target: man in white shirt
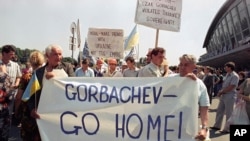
x,y
186,67
153,69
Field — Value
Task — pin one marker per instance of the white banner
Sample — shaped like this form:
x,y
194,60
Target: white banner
x,y
119,109
159,14
105,43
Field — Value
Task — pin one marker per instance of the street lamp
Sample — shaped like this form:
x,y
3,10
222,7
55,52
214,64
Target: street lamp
x,y
72,39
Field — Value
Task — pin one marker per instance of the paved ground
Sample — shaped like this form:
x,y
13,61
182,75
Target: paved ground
x,y
215,136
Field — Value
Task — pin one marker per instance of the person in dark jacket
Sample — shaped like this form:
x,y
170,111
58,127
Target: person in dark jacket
x,y
53,53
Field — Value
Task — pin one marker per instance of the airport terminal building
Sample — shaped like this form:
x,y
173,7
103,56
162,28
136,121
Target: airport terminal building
x,y
228,37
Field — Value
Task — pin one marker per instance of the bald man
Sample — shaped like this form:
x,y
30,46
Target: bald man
x,y
112,71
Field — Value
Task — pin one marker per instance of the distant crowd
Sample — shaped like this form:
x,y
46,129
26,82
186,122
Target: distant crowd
x,y
14,80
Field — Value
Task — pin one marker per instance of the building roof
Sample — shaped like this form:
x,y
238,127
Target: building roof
x,y
216,20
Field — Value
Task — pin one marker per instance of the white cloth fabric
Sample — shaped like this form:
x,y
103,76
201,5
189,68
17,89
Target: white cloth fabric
x,y
203,95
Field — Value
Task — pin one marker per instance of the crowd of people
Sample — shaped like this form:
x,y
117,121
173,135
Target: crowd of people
x,y
211,82
229,85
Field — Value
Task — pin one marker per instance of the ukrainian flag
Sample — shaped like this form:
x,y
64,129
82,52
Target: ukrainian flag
x,y
31,89
132,40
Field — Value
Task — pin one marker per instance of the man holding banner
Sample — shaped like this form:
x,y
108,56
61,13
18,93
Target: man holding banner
x,y
186,67
54,63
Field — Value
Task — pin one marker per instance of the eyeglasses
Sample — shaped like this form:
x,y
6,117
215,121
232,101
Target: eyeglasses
x,y
112,64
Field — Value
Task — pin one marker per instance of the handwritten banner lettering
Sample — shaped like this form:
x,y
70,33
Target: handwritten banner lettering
x,y
119,109
106,43
159,14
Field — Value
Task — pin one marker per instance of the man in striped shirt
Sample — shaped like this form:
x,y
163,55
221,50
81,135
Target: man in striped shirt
x,y
14,72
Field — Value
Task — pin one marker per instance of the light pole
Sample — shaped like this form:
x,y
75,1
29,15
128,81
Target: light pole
x,y
72,40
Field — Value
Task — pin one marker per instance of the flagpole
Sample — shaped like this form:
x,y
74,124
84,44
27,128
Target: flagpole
x,y
78,37
34,73
156,38
137,56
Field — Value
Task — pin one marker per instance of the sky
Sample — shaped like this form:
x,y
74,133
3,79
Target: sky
x,y
34,24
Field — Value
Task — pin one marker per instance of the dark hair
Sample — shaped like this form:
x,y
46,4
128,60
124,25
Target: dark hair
x,y
157,50
242,74
230,65
131,59
8,48
74,63
85,61
210,69
149,53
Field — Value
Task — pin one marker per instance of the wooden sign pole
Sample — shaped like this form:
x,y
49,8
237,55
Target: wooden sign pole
x,y
156,39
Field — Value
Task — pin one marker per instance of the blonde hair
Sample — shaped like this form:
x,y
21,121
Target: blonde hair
x,y
189,58
36,59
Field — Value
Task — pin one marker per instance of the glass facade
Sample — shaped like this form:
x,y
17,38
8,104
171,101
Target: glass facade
x,y
231,31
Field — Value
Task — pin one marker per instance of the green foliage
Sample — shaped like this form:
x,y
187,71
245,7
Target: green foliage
x,y
68,59
23,55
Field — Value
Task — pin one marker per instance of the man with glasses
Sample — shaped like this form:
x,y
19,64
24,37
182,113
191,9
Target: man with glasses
x,y
112,70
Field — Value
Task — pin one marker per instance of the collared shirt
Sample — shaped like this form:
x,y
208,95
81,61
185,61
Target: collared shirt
x,y
150,70
231,79
87,73
14,71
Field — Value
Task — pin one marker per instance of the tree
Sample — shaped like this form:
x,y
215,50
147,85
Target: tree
x,y
68,59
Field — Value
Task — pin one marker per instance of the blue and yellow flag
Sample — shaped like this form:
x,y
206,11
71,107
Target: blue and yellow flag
x,y
132,40
31,89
